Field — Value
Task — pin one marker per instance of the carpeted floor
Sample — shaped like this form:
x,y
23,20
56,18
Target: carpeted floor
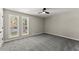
x,y
43,42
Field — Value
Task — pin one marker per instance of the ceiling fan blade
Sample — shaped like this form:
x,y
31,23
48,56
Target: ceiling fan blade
x,y
44,8
47,12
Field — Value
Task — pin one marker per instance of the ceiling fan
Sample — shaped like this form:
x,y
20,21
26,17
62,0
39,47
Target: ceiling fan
x,y
44,11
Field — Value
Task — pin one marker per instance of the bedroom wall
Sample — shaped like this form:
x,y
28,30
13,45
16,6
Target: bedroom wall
x,y
35,24
64,24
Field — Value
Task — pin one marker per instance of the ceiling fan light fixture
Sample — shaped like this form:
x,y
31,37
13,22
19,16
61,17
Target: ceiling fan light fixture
x,y
44,11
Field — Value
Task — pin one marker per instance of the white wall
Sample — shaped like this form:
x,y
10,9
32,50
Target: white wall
x,y
65,24
1,25
35,24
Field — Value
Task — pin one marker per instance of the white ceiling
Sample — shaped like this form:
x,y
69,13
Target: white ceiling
x,y
35,11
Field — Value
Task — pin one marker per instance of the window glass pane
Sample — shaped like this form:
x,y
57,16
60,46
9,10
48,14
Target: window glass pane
x,y
13,25
24,25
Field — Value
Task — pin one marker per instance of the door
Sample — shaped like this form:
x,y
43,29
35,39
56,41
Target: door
x,y
13,26
25,25
1,25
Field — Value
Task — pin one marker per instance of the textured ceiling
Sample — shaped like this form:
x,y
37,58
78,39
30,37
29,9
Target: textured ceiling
x,y
35,11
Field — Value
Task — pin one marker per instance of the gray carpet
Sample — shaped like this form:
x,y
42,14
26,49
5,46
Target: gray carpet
x,y
43,42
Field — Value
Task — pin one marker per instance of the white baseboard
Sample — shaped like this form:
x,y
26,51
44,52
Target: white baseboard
x,y
22,37
35,34
64,36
